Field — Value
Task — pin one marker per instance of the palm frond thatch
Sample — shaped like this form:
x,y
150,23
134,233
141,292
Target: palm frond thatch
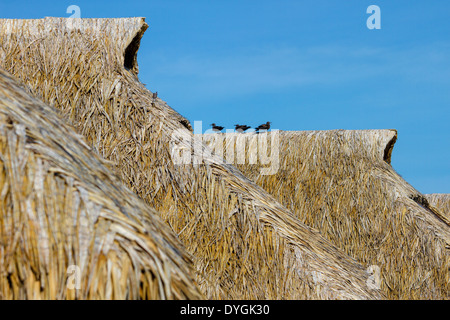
x,y
244,244
441,201
68,228
341,183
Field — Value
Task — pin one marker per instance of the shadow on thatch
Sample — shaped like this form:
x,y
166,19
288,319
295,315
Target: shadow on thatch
x,y
68,228
245,245
341,183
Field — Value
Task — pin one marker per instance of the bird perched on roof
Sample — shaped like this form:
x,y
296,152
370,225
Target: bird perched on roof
x,y
216,128
241,128
155,95
265,126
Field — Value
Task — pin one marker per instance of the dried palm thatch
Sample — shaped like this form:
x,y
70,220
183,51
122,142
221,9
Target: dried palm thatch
x,y
441,201
341,183
244,244
63,212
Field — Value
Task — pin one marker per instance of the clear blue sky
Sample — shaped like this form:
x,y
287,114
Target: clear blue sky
x,y
303,65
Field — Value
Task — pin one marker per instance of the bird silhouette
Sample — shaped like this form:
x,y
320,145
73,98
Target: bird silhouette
x,y
216,128
241,128
264,126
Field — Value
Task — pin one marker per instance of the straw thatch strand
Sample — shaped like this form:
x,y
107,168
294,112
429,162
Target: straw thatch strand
x,y
440,201
68,228
245,245
341,183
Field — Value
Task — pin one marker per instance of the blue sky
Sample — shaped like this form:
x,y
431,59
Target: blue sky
x,y
303,65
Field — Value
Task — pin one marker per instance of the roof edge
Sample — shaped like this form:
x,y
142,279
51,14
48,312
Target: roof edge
x,y
390,146
131,49
125,32
377,143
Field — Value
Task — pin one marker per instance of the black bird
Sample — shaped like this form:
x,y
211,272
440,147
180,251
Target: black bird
x,y
155,95
216,128
265,126
241,128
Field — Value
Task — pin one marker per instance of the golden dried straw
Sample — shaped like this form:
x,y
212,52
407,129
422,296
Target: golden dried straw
x,y
441,201
341,183
69,229
245,245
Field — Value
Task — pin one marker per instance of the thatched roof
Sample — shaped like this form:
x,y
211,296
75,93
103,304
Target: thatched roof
x,y
245,245
341,183
61,207
441,201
